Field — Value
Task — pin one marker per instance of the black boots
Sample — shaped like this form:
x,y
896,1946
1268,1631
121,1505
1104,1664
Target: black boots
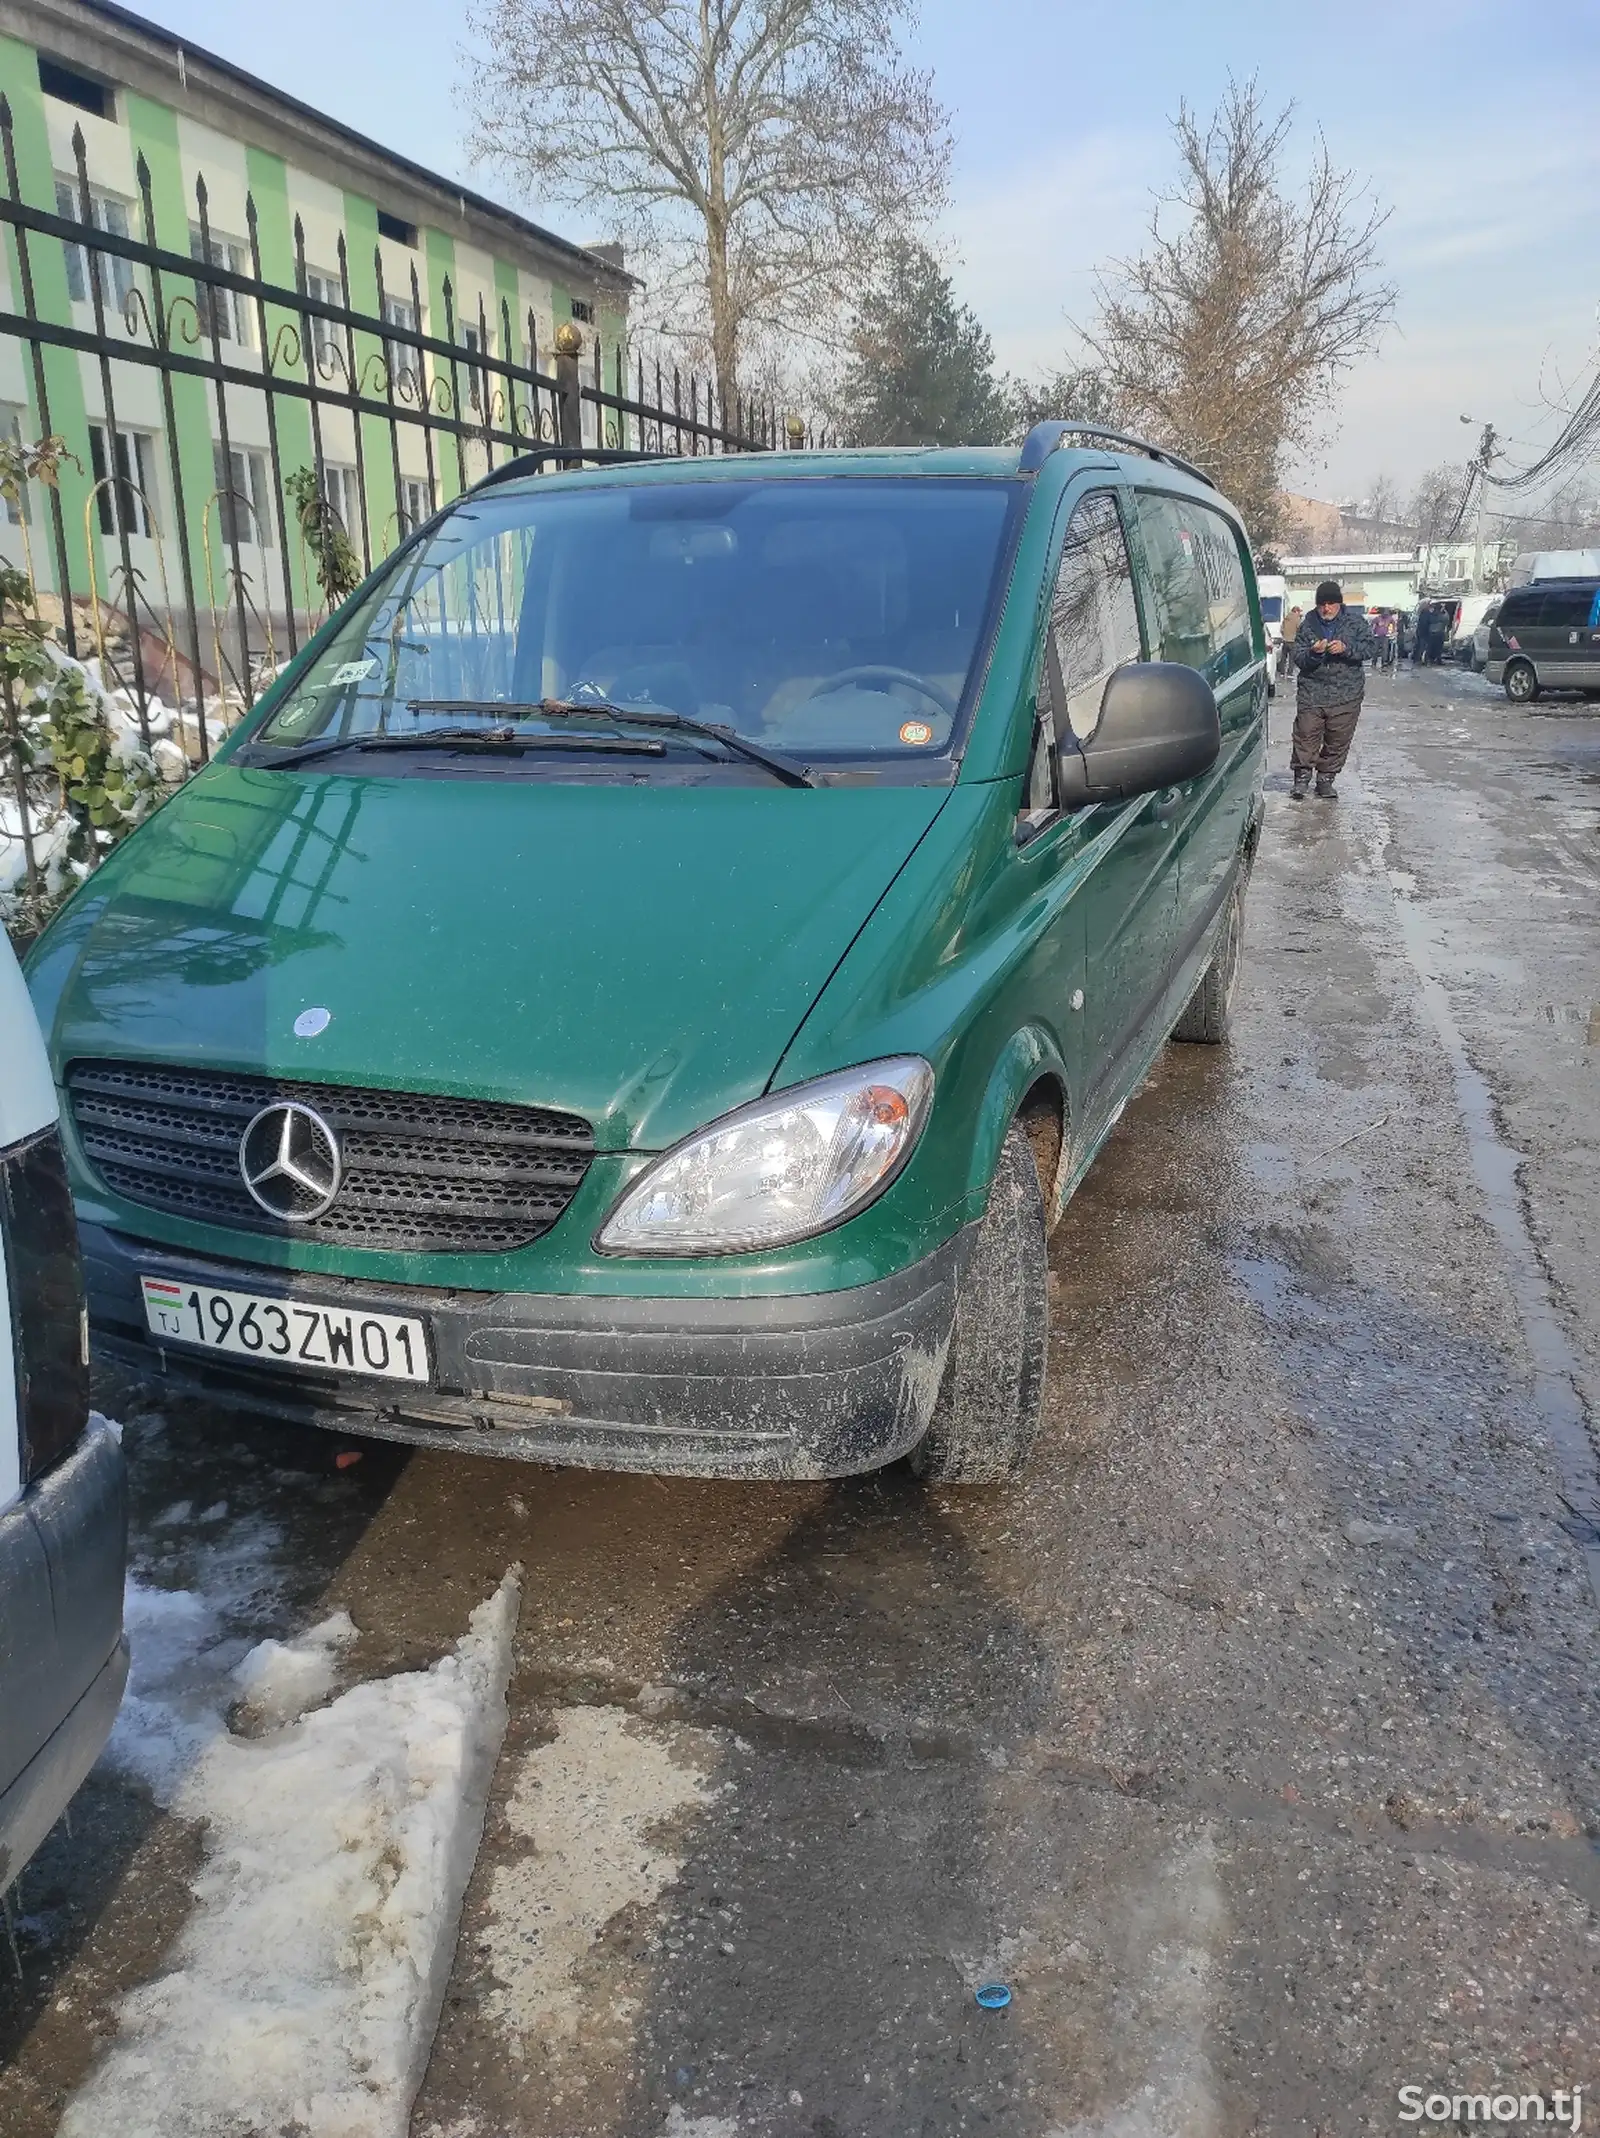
x,y
1302,785
1324,788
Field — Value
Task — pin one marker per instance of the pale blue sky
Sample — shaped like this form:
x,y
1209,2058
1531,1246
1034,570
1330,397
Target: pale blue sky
x,y
1478,122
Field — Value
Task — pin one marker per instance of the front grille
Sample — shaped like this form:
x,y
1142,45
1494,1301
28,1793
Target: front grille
x,y
421,1173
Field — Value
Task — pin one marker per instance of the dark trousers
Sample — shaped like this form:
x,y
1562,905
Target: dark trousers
x,y
1322,737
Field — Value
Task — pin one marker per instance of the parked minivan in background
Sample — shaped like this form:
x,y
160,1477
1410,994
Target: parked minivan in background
x,y
1480,635
63,1517
647,977
1470,611
1546,636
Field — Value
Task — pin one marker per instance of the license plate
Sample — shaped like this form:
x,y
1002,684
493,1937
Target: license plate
x,y
287,1332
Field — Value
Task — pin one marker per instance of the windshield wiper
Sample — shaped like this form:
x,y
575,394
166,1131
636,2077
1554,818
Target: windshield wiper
x,y
787,769
501,742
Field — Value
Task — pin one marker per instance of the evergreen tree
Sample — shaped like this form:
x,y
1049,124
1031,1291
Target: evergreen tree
x,y
921,367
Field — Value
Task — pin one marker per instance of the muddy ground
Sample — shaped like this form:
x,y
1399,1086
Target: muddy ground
x,y
1251,1741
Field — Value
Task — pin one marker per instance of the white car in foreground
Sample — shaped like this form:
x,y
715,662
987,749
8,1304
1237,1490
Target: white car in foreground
x,y
63,1506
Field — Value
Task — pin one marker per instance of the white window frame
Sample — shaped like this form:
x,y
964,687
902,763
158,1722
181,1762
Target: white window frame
x,y
136,465
327,338
232,309
109,212
247,480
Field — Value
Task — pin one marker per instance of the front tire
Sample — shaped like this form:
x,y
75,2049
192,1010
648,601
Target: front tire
x,y
1521,684
987,1413
1205,1021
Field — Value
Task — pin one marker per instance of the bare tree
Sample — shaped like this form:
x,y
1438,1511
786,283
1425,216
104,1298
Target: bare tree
x,y
1569,518
1072,394
761,153
1436,502
1229,333
1384,506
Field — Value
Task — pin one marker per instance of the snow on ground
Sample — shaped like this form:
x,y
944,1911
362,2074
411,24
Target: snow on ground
x,y
304,1990
187,1642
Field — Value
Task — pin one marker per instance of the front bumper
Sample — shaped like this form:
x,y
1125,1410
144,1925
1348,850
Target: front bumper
x,y
823,1384
63,1660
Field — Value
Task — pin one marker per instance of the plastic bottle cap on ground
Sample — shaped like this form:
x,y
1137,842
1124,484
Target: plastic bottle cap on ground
x,y
993,1996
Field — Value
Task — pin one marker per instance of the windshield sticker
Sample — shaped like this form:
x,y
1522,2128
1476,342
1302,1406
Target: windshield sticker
x,y
916,732
353,672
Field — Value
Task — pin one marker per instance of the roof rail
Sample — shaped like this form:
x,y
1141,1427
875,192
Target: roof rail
x,y
539,456
1047,438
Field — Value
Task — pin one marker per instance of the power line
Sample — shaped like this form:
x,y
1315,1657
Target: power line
x,y
1580,434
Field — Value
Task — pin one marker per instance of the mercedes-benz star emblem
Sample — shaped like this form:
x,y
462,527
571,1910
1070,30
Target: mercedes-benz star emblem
x,y
289,1161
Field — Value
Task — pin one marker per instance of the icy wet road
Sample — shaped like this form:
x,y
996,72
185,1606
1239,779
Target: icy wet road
x,y
1252,1741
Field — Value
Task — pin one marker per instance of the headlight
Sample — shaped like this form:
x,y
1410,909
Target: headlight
x,y
779,1170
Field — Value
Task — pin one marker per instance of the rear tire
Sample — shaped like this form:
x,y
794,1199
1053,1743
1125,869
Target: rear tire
x,y
1521,684
987,1412
1205,1019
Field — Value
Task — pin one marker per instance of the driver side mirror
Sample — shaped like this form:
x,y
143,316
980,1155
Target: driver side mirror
x,y
1158,725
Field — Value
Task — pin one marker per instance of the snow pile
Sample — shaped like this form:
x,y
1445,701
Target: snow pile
x,y
305,1987
49,840
281,1679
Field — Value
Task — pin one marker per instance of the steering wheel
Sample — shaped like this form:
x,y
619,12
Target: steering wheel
x,y
873,672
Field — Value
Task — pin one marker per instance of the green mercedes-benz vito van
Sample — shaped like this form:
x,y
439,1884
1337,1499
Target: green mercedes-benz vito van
x,y
642,985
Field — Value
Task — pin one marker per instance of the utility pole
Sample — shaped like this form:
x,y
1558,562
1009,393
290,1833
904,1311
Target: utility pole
x,y
1488,446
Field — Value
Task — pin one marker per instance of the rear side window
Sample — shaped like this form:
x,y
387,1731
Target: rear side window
x,y
1519,609
1200,604
1094,619
1567,607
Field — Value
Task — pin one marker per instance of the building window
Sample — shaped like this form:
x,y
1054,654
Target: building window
x,y
126,504
108,213
416,503
392,226
475,395
68,86
327,339
17,510
243,499
223,312
339,488
404,362
583,310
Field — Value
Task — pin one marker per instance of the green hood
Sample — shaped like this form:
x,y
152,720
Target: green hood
x,y
641,955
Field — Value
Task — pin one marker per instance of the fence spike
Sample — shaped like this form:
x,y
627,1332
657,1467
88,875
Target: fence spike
x,y
80,147
141,171
250,212
5,111
200,192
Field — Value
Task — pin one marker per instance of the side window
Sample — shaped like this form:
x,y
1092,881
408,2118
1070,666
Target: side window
x,y
1180,602
1518,610
1566,607
1094,619
1228,598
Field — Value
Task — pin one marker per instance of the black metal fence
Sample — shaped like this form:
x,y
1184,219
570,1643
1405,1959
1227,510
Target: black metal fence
x,y
288,442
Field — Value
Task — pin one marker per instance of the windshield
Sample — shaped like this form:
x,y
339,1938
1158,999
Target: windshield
x,y
833,617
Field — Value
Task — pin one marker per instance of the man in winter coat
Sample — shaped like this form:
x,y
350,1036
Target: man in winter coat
x,y
1330,650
